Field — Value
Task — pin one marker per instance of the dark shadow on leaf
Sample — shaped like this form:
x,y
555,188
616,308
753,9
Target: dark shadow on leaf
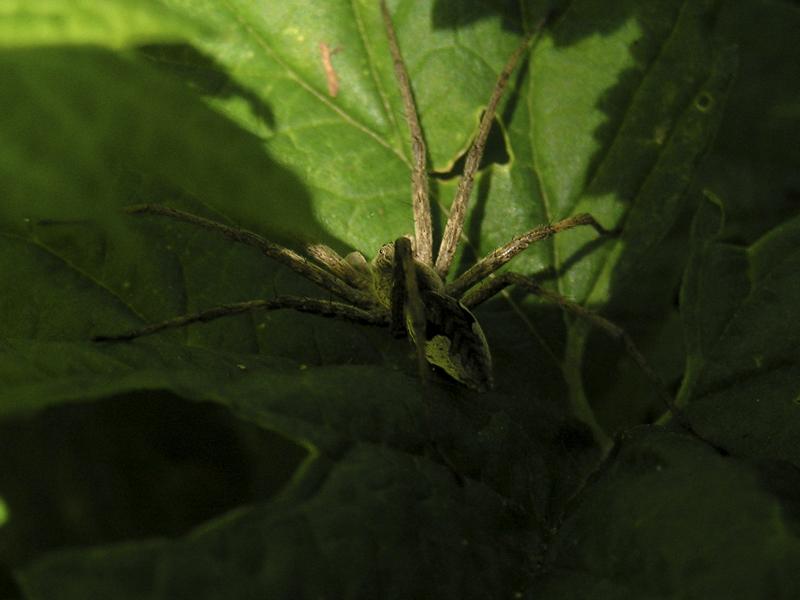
x,y
782,480
135,466
122,133
516,16
205,75
130,117
452,14
9,588
586,250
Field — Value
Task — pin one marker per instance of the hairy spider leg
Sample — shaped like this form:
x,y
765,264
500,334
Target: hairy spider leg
x,y
315,306
458,210
423,230
291,259
336,264
500,256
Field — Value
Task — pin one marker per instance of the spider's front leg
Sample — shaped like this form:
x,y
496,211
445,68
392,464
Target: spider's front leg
x,y
500,256
285,256
343,280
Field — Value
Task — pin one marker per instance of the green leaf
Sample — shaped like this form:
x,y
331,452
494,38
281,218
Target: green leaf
x,y
739,304
373,507
668,517
112,23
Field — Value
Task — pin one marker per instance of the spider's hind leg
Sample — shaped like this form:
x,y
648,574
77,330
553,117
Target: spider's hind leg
x,y
487,290
325,308
481,293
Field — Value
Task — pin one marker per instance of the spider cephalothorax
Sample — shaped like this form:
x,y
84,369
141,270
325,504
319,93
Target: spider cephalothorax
x,y
405,286
445,330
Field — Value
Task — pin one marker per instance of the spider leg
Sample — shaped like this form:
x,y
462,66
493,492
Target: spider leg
x,y
423,230
275,251
482,293
497,258
329,258
315,306
458,210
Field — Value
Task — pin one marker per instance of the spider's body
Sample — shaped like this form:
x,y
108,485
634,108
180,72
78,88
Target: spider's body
x,y
405,286
453,338
455,342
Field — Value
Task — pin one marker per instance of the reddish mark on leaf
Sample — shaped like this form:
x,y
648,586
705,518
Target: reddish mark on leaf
x,y
330,73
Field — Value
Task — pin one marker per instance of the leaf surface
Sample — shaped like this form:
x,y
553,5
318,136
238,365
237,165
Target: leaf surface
x,y
739,304
669,516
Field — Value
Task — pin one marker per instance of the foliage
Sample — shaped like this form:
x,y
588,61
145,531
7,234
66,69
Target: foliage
x,y
289,456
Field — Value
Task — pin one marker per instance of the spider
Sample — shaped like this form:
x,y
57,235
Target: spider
x,y
405,286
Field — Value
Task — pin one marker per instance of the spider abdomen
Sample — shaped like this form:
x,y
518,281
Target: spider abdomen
x,y
455,342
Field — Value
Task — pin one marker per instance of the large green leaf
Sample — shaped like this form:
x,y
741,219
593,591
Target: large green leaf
x,y
114,23
743,371
668,517
223,109
354,194
373,507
